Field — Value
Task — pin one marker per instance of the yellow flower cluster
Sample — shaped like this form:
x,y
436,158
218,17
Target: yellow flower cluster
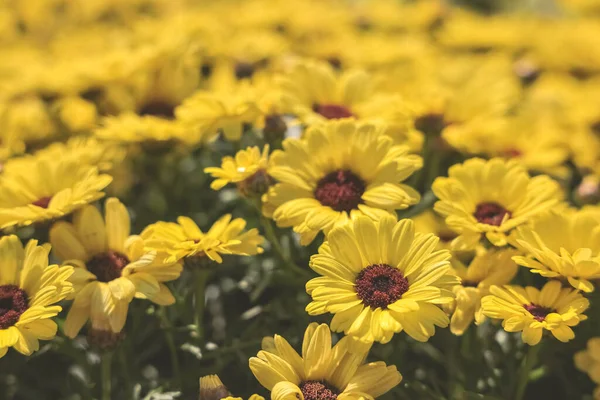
x,y
427,153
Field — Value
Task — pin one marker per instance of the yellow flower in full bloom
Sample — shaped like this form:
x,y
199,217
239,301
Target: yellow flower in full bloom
x,y
491,198
29,292
111,267
340,170
588,361
380,278
44,188
131,128
185,240
249,170
532,311
563,245
487,268
322,372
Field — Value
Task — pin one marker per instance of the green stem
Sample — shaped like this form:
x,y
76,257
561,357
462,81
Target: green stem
x,y
274,240
199,298
168,329
106,375
529,361
125,371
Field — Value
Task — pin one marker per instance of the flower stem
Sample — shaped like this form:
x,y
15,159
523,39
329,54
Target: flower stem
x,y
274,240
199,299
168,329
106,375
122,358
529,361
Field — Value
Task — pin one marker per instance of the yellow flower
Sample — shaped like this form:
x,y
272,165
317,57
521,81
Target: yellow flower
x,y
132,128
44,188
77,114
29,291
249,170
532,311
487,268
111,267
430,222
185,240
563,245
588,361
207,113
491,198
340,170
28,118
322,372
380,278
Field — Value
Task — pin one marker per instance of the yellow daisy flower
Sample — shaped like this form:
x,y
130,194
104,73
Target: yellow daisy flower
x,y
111,267
29,291
588,361
131,128
249,170
491,198
532,311
380,278
209,112
185,240
491,267
430,222
322,372
45,188
563,245
341,169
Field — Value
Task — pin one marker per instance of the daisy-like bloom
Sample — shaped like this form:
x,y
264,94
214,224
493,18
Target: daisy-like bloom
x,y
132,128
185,240
487,268
249,170
209,112
563,245
111,267
532,311
44,188
380,278
430,222
322,372
29,291
341,169
491,198
588,361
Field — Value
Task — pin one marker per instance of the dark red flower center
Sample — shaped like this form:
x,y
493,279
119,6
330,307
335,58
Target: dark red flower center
x,y
332,111
244,70
13,303
43,202
538,312
158,108
341,190
512,153
490,213
107,266
380,285
318,390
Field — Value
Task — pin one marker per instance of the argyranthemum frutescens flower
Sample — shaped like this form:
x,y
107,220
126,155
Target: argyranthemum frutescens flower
x,y
563,245
249,170
491,198
532,311
29,291
111,267
42,188
487,268
380,278
588,361
185,240
322,372
341,169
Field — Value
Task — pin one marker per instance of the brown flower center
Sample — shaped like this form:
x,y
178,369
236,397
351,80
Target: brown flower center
x,y
490,213
158,108
332,111
256,184
107,266
538,312
13,303
244,70
341,190
431,124
318,390
380,285
43,202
